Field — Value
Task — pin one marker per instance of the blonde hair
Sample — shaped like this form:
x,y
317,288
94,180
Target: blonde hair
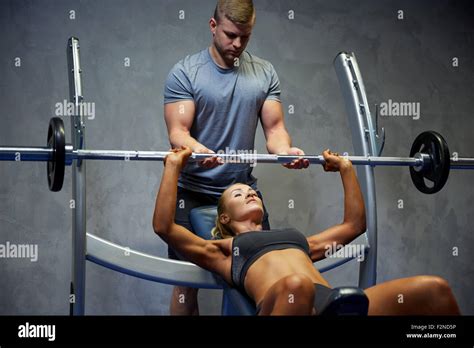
x,y
237,11
221,231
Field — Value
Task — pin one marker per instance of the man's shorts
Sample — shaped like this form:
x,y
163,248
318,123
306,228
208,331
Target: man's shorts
x,y
193,199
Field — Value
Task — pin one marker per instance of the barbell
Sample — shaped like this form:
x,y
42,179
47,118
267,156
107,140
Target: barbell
x,y
429,158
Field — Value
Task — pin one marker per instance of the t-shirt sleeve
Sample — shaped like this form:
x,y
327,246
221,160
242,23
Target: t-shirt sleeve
x,y
177,86
274,89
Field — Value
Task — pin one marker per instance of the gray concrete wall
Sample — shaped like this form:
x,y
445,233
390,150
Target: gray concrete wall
x,y
407,60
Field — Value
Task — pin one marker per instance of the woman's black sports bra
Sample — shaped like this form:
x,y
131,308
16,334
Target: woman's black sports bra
x,y
248,247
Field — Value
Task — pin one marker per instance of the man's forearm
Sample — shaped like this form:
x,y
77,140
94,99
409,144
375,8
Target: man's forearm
x,y
181,138
278,141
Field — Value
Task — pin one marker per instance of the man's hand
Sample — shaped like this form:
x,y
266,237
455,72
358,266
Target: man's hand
x,y
334,162
296,164
210,162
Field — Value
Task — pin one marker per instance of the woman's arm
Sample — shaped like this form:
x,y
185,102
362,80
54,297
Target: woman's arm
x,y
353,223
204,253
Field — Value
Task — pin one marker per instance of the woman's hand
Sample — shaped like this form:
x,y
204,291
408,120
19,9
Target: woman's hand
x,y
334,162
178,157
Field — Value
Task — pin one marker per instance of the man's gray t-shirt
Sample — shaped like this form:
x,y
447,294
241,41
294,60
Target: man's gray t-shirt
x,y
228,105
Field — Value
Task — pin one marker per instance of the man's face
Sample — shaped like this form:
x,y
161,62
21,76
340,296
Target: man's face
x,y
230,39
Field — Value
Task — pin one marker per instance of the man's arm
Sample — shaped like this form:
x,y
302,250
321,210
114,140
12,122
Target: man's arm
x,y
278,139
179,117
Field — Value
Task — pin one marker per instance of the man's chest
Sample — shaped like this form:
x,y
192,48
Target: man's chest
x,y
219,90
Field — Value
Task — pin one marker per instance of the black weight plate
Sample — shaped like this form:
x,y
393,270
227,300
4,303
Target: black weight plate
x,y
437,171
57,142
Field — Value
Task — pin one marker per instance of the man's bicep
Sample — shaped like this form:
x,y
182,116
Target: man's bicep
x,y
272,115
179,116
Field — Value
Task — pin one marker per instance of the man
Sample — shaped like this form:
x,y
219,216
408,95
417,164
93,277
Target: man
x,y
213,102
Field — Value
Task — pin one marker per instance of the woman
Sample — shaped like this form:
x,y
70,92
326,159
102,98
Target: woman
x,y
275,268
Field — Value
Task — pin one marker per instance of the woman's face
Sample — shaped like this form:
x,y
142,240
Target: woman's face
x,y
242,203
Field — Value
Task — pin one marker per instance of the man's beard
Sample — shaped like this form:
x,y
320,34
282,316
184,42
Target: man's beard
x,y
226,55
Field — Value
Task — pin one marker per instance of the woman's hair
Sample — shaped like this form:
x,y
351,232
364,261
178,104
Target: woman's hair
x,y
237,11
221,231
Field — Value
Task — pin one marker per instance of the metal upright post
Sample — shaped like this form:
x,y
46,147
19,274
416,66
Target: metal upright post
x,y
78,182
365,144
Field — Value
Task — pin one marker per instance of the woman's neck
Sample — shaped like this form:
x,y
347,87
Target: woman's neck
x,y
245,226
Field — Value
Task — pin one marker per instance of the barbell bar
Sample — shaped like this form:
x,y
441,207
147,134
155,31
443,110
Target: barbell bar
x,y
429,158
44,154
